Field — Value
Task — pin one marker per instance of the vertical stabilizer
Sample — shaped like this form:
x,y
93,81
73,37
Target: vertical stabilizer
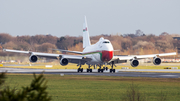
x,y
86,40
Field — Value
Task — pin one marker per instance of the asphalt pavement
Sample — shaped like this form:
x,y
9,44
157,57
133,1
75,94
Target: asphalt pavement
x,y
119,72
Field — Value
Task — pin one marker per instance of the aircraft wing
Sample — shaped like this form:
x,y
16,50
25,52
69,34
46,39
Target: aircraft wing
x,y
76,52
121,59
33,53
72,58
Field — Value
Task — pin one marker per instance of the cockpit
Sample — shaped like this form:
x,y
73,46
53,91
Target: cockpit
x,y
106,42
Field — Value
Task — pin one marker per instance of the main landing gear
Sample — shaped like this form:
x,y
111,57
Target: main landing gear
x,y
112,70
88,69
80,69
100,70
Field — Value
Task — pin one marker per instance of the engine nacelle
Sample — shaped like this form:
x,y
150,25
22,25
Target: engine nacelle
x,y
156,61
134,63
64,61
33,58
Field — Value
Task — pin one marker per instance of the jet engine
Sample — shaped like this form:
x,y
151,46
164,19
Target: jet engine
x,y
64,61
134,63
33,58
156,61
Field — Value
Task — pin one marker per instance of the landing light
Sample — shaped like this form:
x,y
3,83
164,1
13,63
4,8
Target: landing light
x,y
84,57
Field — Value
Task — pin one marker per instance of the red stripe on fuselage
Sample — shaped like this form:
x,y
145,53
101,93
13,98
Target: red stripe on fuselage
x,y
107,55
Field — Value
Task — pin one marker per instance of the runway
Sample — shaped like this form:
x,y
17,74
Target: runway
x,y
119,72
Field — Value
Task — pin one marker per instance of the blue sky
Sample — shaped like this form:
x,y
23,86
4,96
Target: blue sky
x,y
66,17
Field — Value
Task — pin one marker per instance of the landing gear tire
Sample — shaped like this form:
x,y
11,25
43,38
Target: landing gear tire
x,y
99,70
89,70
105,68
102,70
112,70
80,70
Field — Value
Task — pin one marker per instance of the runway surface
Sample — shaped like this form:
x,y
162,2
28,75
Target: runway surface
x,y
119,72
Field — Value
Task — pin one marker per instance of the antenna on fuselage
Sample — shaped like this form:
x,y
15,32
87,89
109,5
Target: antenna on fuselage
x,y
86,39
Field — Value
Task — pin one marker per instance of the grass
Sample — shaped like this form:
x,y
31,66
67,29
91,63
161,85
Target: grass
x,y
95,88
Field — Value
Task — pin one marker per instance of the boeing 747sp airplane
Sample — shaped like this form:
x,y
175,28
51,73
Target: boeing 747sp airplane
x,y
101,53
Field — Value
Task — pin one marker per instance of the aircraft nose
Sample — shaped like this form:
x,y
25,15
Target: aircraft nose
x,y
107,55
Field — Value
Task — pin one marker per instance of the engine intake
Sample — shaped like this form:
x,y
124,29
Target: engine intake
x,y
33,58
134,63
64,61
156,61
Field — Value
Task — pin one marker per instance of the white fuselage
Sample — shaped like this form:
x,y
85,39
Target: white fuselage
x,y
100,52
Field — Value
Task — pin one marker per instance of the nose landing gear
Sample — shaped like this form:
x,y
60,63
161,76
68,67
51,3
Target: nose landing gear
x,y
105,68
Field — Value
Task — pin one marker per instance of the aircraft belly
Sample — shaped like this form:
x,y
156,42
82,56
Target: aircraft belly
x,y
96,58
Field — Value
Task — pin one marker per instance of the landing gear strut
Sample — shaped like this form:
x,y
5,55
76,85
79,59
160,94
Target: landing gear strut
x,y
95,66
112,70
105,68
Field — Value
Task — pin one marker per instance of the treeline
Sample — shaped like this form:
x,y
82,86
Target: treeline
x,y
138,43
38,43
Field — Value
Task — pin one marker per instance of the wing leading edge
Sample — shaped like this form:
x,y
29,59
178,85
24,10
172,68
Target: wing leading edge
x,y
71,58
142,56
138,57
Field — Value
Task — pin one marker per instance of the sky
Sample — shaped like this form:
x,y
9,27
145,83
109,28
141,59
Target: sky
x,y
66,17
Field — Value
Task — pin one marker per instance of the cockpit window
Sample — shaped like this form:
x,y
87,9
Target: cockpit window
x,y
106,42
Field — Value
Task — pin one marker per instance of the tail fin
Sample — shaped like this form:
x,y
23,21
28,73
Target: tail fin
x,y
86,40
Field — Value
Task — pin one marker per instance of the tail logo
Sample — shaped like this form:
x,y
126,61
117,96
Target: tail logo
x,y
85,29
